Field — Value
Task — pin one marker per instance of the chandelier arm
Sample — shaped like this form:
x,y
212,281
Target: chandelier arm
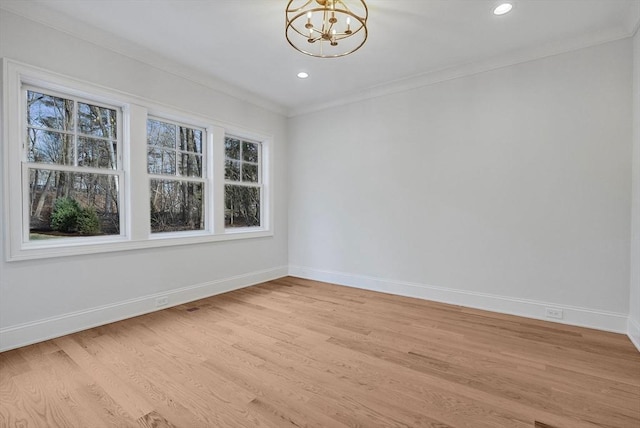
x,y
324,19
305,33
292,20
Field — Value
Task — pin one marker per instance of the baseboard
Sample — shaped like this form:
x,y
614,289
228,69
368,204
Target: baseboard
x,y
38,331
633,331
583,317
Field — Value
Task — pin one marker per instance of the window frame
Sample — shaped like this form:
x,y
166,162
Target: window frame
x,y
135,230
259,184
206,177
27,166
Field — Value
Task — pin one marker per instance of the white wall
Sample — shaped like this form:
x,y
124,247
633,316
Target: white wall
x,y
507,190
44,298
634,299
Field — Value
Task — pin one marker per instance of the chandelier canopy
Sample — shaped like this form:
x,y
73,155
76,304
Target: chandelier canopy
x,y
327,28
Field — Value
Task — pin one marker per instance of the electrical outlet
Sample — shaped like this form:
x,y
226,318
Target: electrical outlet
x,y
162,301
554,313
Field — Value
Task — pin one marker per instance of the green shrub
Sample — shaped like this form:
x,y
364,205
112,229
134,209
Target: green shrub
x,y
64,216
88,223
68,217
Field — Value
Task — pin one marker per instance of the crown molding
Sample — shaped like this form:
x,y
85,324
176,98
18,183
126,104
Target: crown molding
x,y
106,40
464,70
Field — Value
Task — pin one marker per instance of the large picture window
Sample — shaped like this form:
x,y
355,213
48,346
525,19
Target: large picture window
x,y
243,183
72,166
177,187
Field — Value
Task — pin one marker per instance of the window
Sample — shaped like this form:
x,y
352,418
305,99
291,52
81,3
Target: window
x,y
177,186
243,183
78,177
72,166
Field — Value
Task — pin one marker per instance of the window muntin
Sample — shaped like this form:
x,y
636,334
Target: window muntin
x,y
243,190
177,186
71,152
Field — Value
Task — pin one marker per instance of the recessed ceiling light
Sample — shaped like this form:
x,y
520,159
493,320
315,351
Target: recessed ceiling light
x,y
502,9
303,75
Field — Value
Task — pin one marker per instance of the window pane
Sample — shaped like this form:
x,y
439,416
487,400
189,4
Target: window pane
x,y
232,170
161,161
232,148
69,204
190,165
97,153
46,111
49,147
176,206
96,121
250,172
242,206
161,134
249,152
190,140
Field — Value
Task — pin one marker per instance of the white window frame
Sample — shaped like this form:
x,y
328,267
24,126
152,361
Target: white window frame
x,y
134,185
205,179
17,78
259,184
26,166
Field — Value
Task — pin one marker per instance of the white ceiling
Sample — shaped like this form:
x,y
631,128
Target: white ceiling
x,y
242,42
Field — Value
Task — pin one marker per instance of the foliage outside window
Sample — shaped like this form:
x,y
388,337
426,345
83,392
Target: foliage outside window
x,y
72,166
243,183
177,186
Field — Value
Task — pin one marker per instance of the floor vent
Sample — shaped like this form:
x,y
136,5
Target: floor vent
x,y
543,425
192,309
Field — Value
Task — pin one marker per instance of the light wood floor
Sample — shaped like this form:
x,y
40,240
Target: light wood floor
x,y
298,353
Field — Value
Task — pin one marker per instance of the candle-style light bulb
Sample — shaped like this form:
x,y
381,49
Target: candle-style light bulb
x,y
308,24
348,31
333,18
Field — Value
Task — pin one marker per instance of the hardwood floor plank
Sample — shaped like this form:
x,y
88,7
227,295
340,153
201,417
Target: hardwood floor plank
x,y
45,401
13,364
295,352
89,403
154,420
138,370
175,384
125,395
13,411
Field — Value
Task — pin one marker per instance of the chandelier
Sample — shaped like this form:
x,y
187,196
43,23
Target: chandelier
x,y
326,28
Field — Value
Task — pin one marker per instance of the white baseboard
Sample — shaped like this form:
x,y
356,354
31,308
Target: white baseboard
x,y
633,331
583,317
38,331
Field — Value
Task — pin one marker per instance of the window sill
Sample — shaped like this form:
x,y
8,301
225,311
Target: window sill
x,y
31,251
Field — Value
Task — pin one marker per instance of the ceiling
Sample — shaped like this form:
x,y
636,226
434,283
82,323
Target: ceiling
x,y
242,43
